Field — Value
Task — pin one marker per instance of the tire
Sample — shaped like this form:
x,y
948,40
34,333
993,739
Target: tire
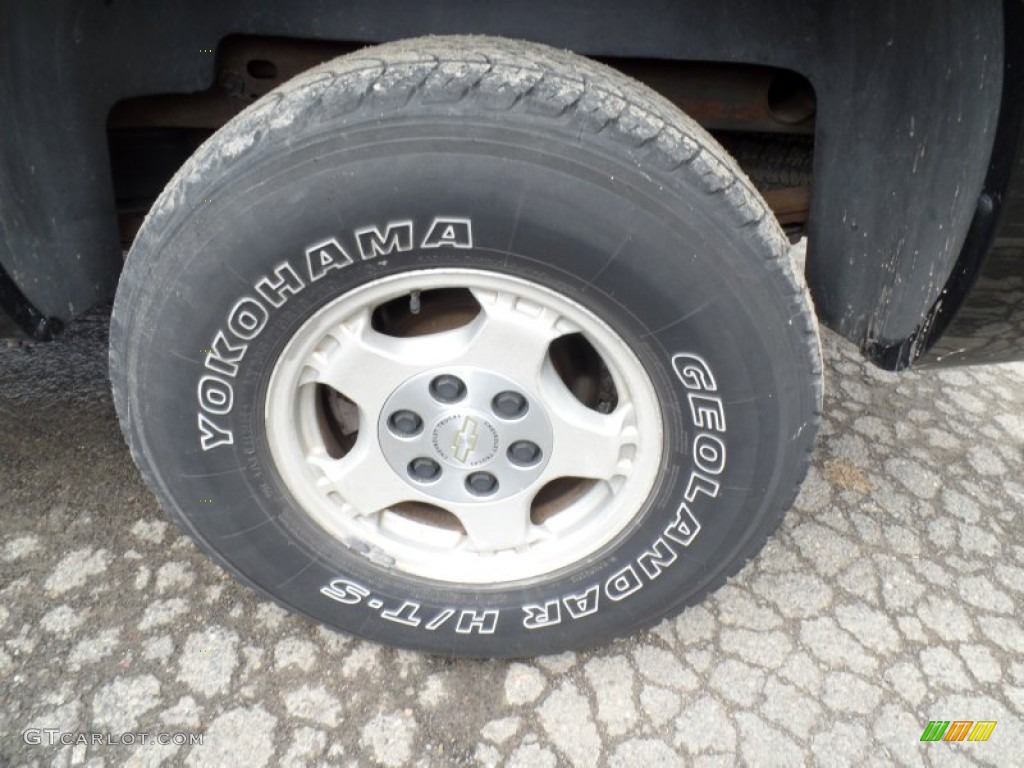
x,y
506,217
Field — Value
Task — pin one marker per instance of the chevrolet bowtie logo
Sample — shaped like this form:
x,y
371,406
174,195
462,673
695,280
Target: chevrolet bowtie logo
x,y
465,440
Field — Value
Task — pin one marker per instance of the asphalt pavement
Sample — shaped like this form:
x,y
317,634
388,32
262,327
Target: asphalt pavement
x,y
891,597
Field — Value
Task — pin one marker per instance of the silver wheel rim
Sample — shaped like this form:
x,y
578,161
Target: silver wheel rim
x,y
454,526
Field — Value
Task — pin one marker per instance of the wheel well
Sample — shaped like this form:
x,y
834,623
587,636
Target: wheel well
x,y
764,116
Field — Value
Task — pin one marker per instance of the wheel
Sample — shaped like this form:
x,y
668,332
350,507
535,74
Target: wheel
x,y
470,346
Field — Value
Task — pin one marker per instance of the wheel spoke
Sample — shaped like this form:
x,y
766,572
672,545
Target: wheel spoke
x,y
364,479
498,525
367,365
512,336
586,443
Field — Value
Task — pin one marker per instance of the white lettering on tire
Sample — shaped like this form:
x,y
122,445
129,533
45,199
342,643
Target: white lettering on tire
x,y
322,258
250,314
397,237
708,452
467,621
455,233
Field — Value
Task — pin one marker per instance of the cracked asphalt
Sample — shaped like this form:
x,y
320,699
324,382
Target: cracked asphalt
x,y
890,597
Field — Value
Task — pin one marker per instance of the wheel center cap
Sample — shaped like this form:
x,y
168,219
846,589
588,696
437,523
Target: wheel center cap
x,y
465,439
465,435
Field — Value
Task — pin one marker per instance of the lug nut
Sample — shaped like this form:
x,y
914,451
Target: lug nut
x,y
509,405
424,469
447,388
524,453
405,423
482,483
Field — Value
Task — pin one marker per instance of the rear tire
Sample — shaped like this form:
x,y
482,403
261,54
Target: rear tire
x,y
318,321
